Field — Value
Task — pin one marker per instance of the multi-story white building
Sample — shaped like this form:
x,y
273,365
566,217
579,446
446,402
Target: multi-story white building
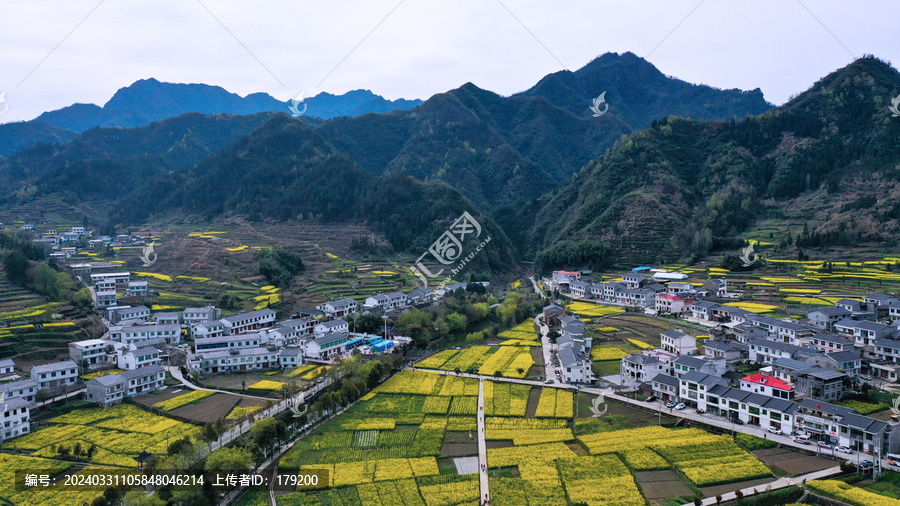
x,y
327,346
671,304
151,334
339,308
251,340
55,375
234,360
759,383
91,352
111,389
864,333
763,350
15,418
290,357
25,389
385,301
137,289
679,343
323,328
119,278
245,322
7,367
829,342
126,315
192,315
642,367
213,328
136,356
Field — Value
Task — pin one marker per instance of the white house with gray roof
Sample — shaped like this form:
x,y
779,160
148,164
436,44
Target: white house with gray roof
x,y
339,325
7,367
575,365
128,315
241,323
25,389
763,350
194,315
702,309
864,332
236,342
290,357
339,308
111,389
826,317
55,375
641,368
135,356
234,360
151,334
15,418
665,387
326,346
677,342
293,332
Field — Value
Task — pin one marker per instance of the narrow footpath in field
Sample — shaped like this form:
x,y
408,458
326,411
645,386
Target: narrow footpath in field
x,y
482,446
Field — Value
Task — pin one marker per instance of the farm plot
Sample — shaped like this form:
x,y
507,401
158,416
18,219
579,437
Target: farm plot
x,y
509,361
555,402
118,434
592,310
505,399
704,458
522,334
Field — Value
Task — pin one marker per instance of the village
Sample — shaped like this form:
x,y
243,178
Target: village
x,y
803,366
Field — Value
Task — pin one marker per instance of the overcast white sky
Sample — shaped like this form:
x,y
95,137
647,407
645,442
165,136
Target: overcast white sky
x,y
424,47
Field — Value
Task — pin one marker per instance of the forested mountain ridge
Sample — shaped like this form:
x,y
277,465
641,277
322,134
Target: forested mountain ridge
x,y
503,151
106,163
684,187
284,170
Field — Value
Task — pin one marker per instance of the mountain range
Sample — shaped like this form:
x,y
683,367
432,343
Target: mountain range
x,y
148,100
670,170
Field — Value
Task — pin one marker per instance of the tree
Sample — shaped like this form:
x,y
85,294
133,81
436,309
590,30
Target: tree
x,y
456,322
349,390
367,323
270,432
475,337
209,432
16,265
230,460
179,446
478,311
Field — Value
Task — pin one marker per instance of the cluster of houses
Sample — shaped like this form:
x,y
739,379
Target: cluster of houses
x,y
639,288
794,391
18,395
139,342
805,365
